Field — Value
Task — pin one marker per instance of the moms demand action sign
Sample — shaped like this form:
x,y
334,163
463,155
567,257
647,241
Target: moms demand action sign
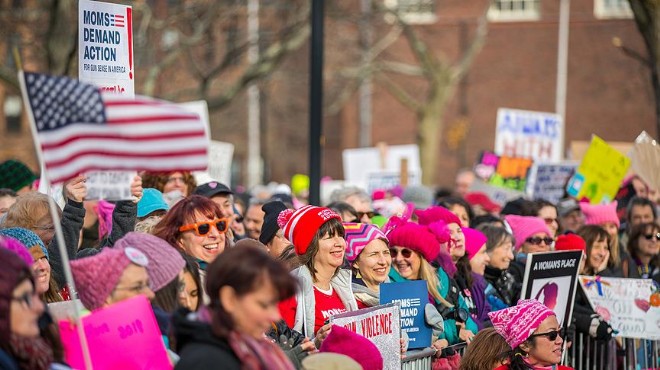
x,y
105,37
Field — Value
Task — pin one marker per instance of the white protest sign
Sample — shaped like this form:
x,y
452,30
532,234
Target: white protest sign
x,y
497,194
109,185
379,324
628,305
548,180
105,44
389,179
220,158
522,133
358,163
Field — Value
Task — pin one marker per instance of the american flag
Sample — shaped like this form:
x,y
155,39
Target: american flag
x,y
117,20
80,128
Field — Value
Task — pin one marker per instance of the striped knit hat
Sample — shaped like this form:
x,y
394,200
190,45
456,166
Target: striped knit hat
x,y
358,236
300,226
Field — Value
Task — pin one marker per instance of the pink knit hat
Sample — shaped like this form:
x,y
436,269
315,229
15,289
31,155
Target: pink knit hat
x,y
600,213
353,345
415,237
165,262
300,226
517,323
358,236
525,226
474,240
97,276
17,247
436,213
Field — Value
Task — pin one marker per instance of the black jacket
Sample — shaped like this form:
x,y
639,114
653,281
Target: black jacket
x,y
198,347
72,222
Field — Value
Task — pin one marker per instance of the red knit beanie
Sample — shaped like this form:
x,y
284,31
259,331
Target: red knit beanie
x,y
353,345
300,226
436,213
570,242
600,214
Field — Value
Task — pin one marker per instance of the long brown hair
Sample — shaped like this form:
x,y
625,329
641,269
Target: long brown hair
x,y
592,234
332,227
487,350
158,180
637,233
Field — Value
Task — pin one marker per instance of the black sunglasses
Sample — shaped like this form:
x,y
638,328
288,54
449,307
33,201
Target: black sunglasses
x,y
552,335
405,253
651,236
536,240
370,214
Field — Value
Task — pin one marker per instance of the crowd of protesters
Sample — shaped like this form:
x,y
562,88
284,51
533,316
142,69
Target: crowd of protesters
x,y
249,280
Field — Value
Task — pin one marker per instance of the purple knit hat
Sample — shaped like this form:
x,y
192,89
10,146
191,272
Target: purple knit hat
x,y
525,226
474,240
436,213
97,276
358,236
165,262
353,345
515,324
17,247
600,213
13,270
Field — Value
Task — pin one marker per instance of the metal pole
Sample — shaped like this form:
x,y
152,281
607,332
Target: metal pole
x,y
562,67
254,112
315,103
366,86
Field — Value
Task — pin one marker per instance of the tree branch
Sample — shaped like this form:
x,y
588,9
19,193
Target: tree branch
x,y
399,93
475,47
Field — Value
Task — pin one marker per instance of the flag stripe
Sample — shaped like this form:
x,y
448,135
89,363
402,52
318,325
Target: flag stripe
x,y
139,130
160,119
169,154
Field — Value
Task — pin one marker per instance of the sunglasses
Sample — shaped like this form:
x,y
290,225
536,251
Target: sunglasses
x,y
536,240
204,227
370,214
405,253
651,236
549,220
552,335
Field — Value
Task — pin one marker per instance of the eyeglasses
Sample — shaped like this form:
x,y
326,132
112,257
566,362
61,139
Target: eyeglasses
x,y
552,335
369,214
405,253
204,227
536,240
549,220
173,179
651,236
137,289
28,298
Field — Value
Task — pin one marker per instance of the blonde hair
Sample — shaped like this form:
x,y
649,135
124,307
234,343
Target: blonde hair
x,y
27,211
430,274
147,225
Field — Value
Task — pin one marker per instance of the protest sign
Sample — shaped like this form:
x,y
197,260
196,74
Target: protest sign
x,y
529,134
412,297
502,171
358,163
630,306
381,325
124,335
390,179
551,278
109,185
548,181
63,310
600,173
105,41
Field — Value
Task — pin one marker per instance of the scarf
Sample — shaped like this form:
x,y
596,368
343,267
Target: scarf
x,y
104,211
30,353
258,354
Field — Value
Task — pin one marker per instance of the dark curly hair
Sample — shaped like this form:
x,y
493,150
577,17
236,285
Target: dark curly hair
x,y
157,180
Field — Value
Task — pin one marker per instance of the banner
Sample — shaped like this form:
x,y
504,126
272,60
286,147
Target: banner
x,y
381,325
109,185
631,306
599,176
528,134
412,297
502,171
105,41
124,335
551,278
548,181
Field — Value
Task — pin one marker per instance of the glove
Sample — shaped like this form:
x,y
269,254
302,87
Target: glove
x,y
604,331
295,354
434,319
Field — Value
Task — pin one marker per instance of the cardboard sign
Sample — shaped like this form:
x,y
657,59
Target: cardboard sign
x,y
551,278
109,185
122,336
548,181
381,325
627,305
600,174
361,161
505,172
412,297
105,40
528,134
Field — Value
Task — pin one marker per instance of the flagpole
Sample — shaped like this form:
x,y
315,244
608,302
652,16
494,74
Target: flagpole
x,y
56,220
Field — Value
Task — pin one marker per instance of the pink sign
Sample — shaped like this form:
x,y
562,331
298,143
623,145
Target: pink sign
x,y
123,336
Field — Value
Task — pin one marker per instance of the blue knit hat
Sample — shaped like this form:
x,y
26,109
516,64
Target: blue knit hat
x,y
152,200
28,238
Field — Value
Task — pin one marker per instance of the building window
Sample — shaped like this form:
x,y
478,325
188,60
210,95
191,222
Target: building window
x,y
414,11
514,10
604,9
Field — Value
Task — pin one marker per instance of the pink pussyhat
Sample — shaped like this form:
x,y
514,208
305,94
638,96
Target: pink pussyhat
x,y
515,324
600,214
474,240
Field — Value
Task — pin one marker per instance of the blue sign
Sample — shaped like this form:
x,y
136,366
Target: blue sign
x,y
412,297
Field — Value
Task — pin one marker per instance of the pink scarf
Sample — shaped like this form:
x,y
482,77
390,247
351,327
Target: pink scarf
x,y
104,211
258,354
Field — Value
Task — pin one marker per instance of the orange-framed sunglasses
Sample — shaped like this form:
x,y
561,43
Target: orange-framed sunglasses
x,y
204,227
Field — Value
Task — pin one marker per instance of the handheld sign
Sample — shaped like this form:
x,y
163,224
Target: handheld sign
x,y
109,185
630,306
551,278
381,325
122,336
502,171
536,135
412,297
548,181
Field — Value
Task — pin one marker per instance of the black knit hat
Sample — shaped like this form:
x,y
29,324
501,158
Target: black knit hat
x,y
13,271
15,175
270,227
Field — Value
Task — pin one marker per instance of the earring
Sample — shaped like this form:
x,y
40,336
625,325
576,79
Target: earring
x,y
357,274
